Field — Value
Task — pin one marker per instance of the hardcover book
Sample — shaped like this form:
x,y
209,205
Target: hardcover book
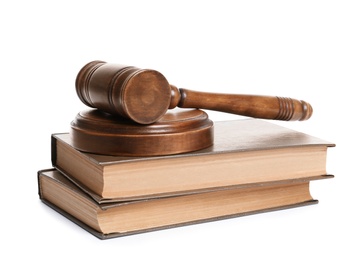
x,y
244,152
126,218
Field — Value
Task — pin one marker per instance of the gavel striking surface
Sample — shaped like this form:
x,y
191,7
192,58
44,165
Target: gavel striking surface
x,y
176,132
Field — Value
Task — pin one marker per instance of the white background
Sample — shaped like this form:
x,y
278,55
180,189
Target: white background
x,y
310,50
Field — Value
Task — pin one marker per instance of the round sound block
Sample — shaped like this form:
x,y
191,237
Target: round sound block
x,y
178,131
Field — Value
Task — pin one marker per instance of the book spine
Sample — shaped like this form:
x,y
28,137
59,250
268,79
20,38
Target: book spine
x,y
53,148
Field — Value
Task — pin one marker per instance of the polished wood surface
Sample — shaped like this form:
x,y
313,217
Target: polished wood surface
x,y
145,95
178,131
141,95
266,107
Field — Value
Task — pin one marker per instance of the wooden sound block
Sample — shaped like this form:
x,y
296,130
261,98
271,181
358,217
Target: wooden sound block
x,y
178,131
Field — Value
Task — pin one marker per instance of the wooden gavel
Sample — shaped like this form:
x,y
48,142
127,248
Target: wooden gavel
x,y
144,96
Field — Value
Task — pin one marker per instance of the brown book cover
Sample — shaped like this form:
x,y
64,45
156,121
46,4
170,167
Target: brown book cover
x,y
213,168
233,199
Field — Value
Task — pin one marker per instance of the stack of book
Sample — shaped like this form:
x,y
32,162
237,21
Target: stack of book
x,y
253,166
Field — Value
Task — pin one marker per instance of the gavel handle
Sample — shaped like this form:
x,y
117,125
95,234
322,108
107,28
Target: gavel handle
x,y
265,107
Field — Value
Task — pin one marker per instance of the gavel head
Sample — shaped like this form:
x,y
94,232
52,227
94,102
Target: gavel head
x,y
142,95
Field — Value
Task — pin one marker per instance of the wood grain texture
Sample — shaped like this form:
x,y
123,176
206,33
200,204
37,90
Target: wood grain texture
x,y
145,95
130,92
176,132
265,107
